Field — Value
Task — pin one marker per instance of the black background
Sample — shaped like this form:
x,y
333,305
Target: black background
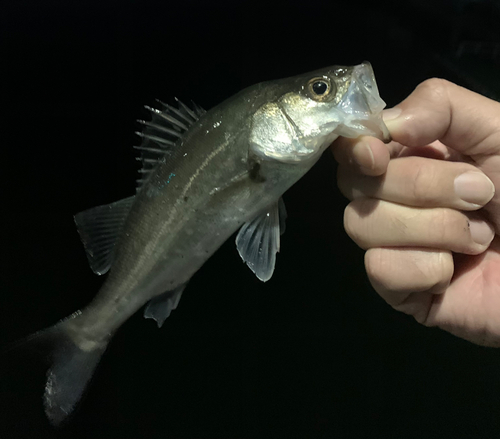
x,y
312,353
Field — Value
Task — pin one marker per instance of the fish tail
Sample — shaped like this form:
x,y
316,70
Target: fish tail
x,y
71,367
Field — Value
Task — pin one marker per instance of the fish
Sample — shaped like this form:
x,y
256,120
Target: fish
x,y
204,176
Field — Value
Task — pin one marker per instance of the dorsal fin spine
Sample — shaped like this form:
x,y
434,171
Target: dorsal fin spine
x,y
200,111
148,148
160,128
176,111
173,120
187,109
155,138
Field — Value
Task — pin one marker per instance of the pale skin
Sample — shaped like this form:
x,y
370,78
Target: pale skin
x,y
432,239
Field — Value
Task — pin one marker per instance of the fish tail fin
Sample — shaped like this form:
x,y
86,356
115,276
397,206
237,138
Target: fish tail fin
x,y
70,368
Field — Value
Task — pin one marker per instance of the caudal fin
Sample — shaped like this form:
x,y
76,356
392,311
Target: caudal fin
x,y
71,368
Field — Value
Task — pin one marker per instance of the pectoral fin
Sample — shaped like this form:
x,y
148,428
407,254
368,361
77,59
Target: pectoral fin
x,y
258,241
161,306
282,215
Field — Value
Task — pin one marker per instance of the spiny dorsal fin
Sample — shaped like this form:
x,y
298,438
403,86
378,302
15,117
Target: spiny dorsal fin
x,y
99,229
160,134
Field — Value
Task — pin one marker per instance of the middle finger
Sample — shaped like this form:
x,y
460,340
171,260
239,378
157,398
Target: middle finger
x,y
422,182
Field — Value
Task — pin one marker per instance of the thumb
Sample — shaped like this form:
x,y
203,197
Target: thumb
x,y
440,110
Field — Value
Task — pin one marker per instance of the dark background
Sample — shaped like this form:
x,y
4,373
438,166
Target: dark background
x,y
312,353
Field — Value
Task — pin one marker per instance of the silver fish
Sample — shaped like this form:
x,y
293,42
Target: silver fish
x,y
204,176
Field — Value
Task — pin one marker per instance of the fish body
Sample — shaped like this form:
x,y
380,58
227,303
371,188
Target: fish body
x,y
205,175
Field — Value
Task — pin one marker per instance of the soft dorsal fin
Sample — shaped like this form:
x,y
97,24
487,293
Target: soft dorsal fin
x,y
99,229
160,307
160,134
258,240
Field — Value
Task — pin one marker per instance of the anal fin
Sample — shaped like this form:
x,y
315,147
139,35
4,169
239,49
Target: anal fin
x,y
160,307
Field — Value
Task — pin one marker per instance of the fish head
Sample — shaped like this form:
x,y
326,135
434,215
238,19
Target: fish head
x,y
309,111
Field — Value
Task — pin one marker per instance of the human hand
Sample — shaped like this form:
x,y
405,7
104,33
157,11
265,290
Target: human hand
x,y
425,212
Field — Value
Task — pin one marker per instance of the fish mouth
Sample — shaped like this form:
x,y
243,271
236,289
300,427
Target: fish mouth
x,y
363,105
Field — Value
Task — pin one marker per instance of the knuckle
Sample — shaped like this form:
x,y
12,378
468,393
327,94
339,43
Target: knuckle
x,y
443,225
438,270
361,218
356,221
435,89
380,274
423,184
429,113
373,264
443,268
382,269
350,222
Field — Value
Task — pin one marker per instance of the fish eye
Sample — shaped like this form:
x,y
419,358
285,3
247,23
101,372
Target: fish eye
x,y
319,88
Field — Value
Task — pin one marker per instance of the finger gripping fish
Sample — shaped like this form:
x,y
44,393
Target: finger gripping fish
x,y
204,175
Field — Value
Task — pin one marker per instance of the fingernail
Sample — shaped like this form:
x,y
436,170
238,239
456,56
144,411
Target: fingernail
x,y
474,187
363,155
391,113
481,232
